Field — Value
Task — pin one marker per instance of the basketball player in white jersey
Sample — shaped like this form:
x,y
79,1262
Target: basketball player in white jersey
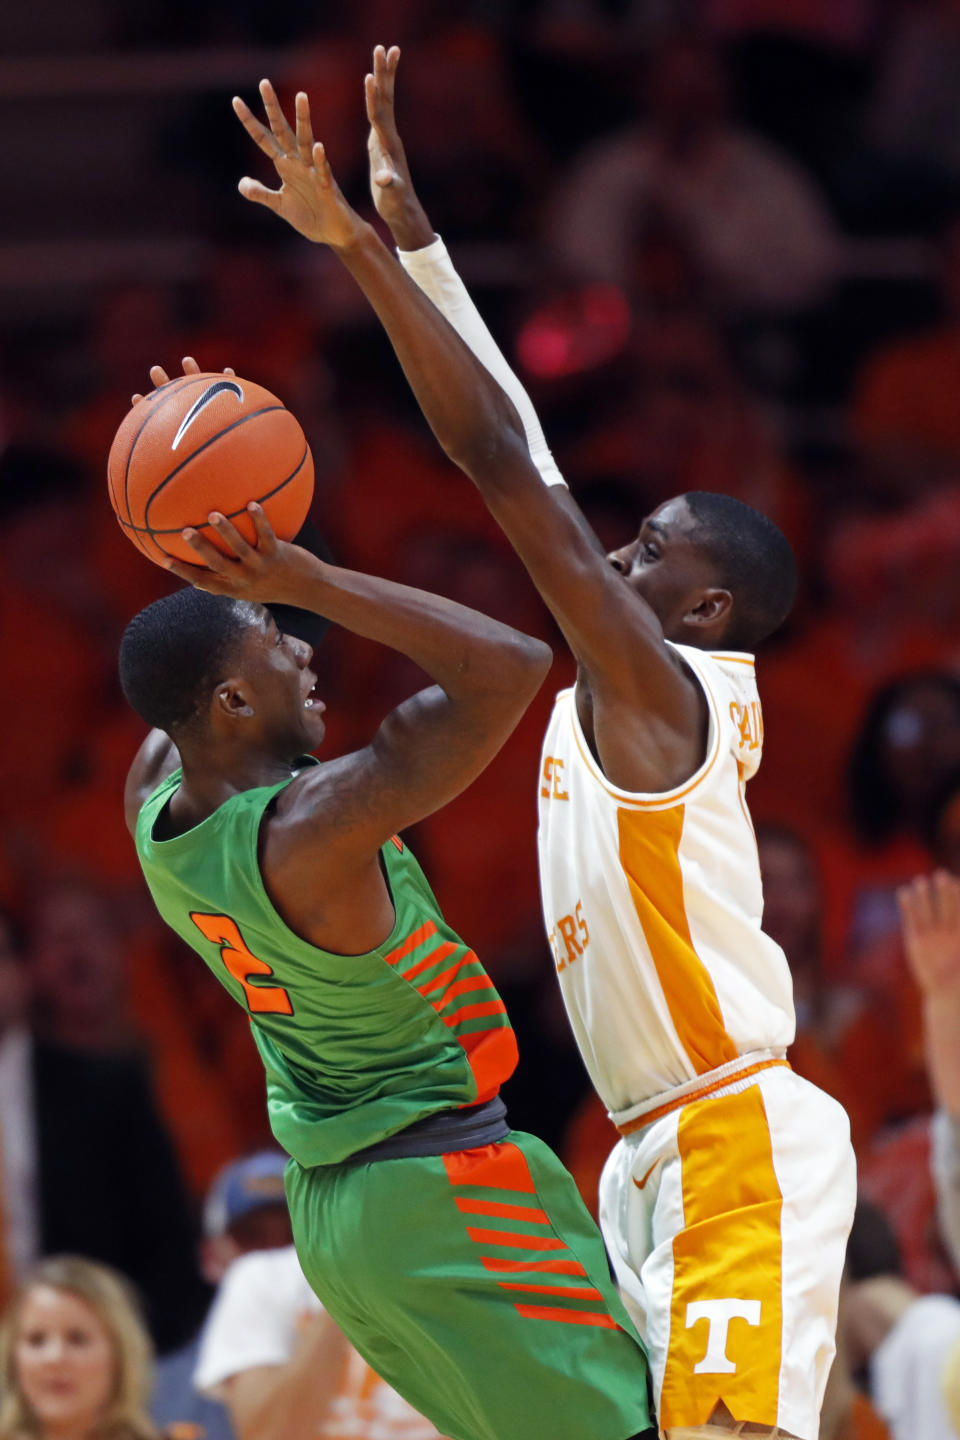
x,y
727,1203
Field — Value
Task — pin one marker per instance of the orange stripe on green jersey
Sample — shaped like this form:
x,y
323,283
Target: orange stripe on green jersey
x,y
431,960
481,1027
423,932
569,1317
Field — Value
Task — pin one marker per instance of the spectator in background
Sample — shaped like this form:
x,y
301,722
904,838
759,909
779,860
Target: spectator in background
x,y
906,1342
74,1357
907,750
755,225
97,991
283,1368
930,911
681,419
913,117
905,418
87,1165
844,1041
245,1210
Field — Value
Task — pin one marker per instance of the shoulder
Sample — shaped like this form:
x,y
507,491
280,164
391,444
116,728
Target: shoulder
x,y
700,667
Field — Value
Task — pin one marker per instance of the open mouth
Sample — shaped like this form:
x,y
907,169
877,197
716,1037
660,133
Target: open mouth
x,y
312,700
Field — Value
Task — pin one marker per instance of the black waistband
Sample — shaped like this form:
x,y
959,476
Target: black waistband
x,y
442,1134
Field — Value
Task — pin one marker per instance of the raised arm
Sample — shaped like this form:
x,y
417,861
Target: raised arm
x,y
930,920
426,751
610,629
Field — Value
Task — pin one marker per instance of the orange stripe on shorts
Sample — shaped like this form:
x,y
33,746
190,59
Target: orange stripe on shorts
x,y
544,1267
506,1212
567,1317
502,1166
518,1242
578,1292
727,1254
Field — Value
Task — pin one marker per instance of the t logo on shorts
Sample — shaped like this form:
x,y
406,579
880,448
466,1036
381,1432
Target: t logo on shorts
x,y
718,1314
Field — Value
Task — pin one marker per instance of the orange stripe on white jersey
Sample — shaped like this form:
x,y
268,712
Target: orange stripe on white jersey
x,y
653,903
650,861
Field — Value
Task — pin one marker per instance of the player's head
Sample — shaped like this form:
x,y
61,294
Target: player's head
x,y
715,572
213,671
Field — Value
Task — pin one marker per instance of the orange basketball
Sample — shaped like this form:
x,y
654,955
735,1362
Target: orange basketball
x,y
201,443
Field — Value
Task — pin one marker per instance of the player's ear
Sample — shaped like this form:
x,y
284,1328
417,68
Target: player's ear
x,y
232,700
711,608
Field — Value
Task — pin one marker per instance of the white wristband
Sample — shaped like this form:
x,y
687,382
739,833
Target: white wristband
x,y
432,271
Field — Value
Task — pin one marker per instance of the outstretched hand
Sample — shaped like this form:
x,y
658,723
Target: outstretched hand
x,y
930,920
309,198
160,377
390,182
271,571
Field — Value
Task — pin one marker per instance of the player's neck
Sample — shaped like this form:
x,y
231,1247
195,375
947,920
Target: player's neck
x,y
208,784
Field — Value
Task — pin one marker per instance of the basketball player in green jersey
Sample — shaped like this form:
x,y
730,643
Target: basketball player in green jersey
x,y
453,1252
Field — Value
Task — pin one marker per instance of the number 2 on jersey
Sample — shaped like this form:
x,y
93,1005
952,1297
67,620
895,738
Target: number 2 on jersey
x,y
242,964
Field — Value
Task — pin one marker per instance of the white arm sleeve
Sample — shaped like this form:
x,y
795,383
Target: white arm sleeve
x,y
431,270
945,1135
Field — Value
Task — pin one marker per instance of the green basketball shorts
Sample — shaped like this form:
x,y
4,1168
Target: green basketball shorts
x,y
476,1284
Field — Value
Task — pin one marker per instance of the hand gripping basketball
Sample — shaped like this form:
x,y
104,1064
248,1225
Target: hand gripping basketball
x,y
201,442
269,570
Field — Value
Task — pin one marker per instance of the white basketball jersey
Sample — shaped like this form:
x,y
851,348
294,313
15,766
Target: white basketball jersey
x,y
653,903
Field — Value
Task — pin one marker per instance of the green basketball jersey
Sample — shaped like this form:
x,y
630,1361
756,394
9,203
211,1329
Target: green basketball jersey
x,y
356,1047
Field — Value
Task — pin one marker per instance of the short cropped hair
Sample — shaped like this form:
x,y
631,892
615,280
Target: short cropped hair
x,y
753,561
175,651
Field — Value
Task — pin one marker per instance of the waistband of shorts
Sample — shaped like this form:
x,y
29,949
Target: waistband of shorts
x,y
702,1087
442,1133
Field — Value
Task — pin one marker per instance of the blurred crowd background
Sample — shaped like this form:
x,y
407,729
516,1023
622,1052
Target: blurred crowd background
x,y
720,242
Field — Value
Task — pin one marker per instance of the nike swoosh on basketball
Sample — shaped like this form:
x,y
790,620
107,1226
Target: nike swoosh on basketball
x,y
640,1183
217,388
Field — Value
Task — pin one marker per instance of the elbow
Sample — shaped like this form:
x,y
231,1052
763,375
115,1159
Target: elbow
x,y
487,449
527,665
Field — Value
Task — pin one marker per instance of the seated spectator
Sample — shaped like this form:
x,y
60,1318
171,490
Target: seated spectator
x,y
245,1210
87,1164
756,225
681,419
74,1357
846,1413
913,114
96,990
845,1043
284,1369
908,749
902,1339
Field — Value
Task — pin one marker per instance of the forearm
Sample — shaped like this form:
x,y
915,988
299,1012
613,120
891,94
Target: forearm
x,y
292,1401
461,649
946,1174
468,411
941,1011
429,266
